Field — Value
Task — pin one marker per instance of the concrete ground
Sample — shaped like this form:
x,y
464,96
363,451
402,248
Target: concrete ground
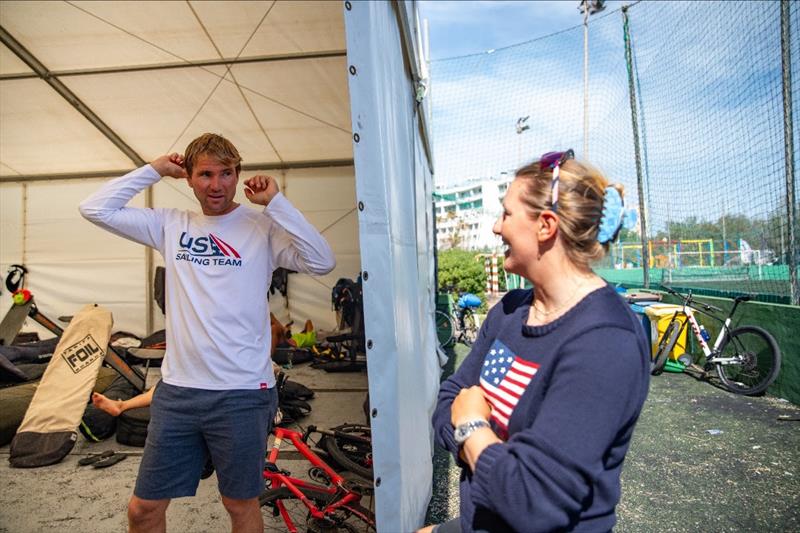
x,y
66,496
701,459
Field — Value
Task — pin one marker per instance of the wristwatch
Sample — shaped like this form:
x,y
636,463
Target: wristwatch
x,y
463,431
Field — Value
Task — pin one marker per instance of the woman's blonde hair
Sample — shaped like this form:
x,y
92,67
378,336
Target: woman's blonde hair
x,y
581,191
215,146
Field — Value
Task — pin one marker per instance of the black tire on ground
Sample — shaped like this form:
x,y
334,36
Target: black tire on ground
x,y
665,346
351,454
760,361
444,328
351,518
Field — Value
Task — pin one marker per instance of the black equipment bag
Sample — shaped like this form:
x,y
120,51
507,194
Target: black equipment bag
x,y
292,398
132,426
286,353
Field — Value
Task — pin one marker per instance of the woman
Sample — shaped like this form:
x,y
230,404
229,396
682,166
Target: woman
x,y
541,413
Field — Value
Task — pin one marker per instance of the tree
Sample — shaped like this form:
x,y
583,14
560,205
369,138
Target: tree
x,y
460,269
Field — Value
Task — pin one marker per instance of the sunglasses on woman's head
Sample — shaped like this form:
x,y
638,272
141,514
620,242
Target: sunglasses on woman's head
x,y
554,160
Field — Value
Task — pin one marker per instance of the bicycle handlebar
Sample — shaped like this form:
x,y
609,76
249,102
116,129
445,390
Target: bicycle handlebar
x,y
687,299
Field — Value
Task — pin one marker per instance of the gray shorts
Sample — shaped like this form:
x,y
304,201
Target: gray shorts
x,y
187,425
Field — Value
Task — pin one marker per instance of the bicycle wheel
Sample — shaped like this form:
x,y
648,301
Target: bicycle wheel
x,y
470,332
665,346
444,329
757,360
352,454
352,518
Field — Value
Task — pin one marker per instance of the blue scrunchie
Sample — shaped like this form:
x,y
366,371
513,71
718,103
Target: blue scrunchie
x,y
614,216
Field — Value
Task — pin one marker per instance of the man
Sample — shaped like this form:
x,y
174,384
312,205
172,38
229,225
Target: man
x,y
217,395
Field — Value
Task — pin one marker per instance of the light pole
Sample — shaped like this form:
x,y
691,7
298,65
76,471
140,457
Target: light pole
x,y
522,125
587,7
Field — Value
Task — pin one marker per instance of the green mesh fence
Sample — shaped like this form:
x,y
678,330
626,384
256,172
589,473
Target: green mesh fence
x,y
710,118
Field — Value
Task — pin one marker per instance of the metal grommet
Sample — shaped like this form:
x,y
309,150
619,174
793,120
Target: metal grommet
x,y
369,344
378,482
352,70
374,412
360,206
356,137
348,6
365,275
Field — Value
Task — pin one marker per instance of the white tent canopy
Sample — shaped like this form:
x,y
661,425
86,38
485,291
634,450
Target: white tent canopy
x,y
90,90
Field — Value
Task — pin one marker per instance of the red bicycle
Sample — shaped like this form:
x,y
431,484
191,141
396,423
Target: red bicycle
x,y
327,503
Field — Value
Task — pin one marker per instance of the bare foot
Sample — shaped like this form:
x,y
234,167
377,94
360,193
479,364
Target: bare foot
x,y
112,407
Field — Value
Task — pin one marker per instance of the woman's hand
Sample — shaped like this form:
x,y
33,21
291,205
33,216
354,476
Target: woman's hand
x,y
469,405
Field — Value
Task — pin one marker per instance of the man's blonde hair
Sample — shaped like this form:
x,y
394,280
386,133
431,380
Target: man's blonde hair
x,y
213,145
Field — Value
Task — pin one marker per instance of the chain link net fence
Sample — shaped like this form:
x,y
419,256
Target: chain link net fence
x,y
710,118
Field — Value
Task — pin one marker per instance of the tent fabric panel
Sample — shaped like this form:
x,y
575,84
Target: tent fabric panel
x,y
10,63
317,90
325,196
317,87
41,133
227,113
289,27
11,222
55,230
403,365
80,35
63,288
150,109
72,262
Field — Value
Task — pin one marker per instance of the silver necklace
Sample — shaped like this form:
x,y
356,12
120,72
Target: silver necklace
x,y
545,314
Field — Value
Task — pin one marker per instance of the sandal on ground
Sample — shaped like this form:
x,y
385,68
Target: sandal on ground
x,y
112,460
95,458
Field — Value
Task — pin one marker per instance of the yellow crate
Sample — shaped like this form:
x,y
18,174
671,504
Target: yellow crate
x,y
660,316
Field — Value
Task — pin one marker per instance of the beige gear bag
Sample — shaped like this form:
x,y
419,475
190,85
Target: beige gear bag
x,y
49,430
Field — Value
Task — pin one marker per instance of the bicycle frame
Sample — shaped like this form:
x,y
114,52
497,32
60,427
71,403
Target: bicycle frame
x,y
711,352
277,478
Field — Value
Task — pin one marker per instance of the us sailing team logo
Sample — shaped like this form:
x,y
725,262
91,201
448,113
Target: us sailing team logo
x,y
210,250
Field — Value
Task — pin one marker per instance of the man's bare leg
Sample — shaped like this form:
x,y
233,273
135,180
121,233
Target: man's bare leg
x,y
148,516
245,515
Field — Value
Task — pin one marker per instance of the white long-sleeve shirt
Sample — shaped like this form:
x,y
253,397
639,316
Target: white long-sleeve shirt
x,y
218,272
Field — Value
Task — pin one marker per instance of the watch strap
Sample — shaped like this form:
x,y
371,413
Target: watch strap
x,y
463,431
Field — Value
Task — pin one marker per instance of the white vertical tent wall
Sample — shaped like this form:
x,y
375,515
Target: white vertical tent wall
x,y
140,79
394,190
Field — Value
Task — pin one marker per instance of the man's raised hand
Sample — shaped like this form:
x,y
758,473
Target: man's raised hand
x,y
261,189
170,165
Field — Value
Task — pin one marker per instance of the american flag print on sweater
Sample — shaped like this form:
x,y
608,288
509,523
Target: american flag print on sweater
x,y
504,378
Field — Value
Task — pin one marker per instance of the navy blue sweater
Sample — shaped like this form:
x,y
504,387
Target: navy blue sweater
x,y
568,434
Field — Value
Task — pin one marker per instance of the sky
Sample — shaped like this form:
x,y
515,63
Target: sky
x,y
463,27
711,86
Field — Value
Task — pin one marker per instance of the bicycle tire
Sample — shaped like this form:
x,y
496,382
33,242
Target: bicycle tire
x,y
445,329
352,455
665,346
470,333
347,518
760,360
